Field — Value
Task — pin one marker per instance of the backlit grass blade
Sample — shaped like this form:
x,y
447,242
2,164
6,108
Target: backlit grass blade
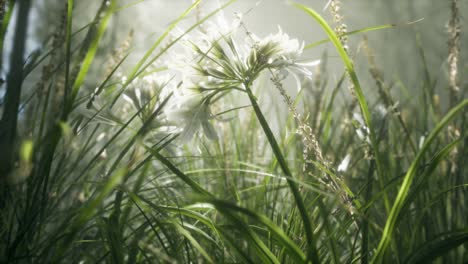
x,y
90,54
357,88
278,233
430,168
47,54
363,30
408,179
312,251
194,185
346,60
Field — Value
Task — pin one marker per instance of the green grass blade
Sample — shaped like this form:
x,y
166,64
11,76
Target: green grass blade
x,y
47,54
279,234
357,88
435,161
264,253
194,185
138,203
439,246
68,35
193,241
349,67
408,179
362,30
89,58
87,212
14,85
312,251
4,26
344,56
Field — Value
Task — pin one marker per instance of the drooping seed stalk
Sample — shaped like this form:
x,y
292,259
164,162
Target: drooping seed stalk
x,y
454,30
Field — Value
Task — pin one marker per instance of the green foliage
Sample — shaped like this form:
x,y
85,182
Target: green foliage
x,y
112,166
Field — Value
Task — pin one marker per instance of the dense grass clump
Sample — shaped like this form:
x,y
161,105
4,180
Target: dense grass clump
x,y
182,154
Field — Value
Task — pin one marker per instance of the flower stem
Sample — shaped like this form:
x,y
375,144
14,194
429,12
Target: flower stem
x,y
312,251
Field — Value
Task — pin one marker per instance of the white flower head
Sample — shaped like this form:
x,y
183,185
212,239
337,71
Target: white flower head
x,y
190,111
278,49
280,53
143,91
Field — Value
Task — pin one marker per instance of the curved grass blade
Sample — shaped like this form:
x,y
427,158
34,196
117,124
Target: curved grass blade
x,y
194,185
279,234
263,251
357,88
138,203
435,161
312,251
408,179
438,198
362,30
87,212
47,54
438,246
193,241
349,67
68,35
89,57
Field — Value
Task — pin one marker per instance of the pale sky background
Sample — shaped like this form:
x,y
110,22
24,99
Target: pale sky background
x,y
396,49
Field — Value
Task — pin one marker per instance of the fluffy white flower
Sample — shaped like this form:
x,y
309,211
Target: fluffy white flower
x,y
278,49
144,92
212,63
189,111
280,53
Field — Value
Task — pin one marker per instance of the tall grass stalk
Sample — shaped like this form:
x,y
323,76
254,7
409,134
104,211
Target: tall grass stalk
x,y
14,83
312,251
183,154
404,189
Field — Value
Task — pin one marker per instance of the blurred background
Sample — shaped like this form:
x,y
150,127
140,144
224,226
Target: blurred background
x,y
406,53
78,161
